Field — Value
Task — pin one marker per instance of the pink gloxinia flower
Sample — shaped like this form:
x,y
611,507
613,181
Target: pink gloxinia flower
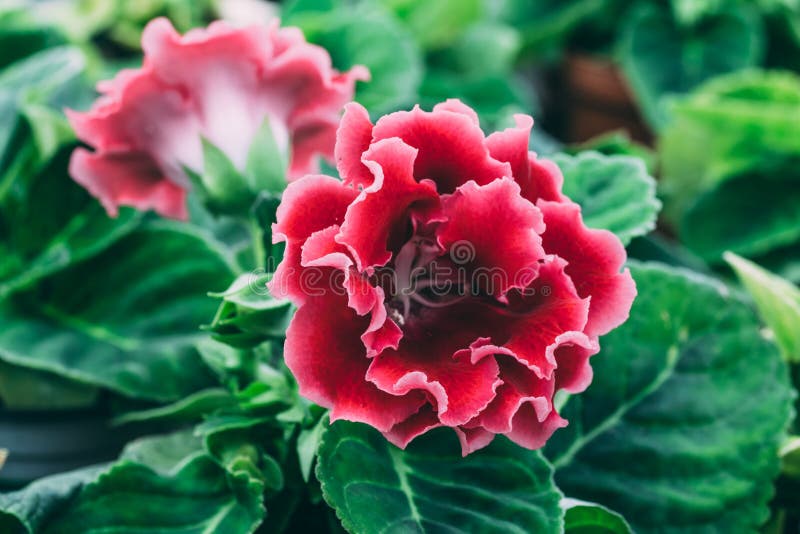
x,y
446,281
220,83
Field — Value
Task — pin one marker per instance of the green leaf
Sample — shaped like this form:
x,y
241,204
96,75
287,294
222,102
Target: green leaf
x,y
615,193
28,509
308,442
680,429
132,329
22,34
547,24
733,122
190,408
85,234
161,484
266,162
494,97
163,453
790,457
777,300
222,186
751,213
49,128
486,48
376,487
617,143
366,34
581,517
248,314
244,444
661,58
784,261
690,12
424,19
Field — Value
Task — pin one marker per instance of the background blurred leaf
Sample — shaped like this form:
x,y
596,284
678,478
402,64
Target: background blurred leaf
x,y
436,24
364,34
750,213
22,35
615,193
617,143
52,77
683,435
659,57
376,487
546,25
777,300
731,123
132,327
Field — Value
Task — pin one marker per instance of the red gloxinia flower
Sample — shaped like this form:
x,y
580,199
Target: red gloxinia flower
x,y
446,281
220,83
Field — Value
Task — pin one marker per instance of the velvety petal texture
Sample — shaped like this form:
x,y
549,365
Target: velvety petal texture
x,y
220,83
444,281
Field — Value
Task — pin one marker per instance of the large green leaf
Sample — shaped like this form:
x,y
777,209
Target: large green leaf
x,y
615,193
752,213
86,232
376,487
680,429
659,57
365,34
128,318
777,300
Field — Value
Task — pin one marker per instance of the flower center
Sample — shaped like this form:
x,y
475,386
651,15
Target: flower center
x,y
420,281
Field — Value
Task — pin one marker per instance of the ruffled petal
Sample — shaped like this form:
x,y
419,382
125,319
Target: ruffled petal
x,y
472,439
310,204
457,106
321,250
520,386
220,68
549,307
511,145
325,353
544,181
127,179
529,432
404,432
383,213
500,255
352,140
451,147
572,351
594,260
459,388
